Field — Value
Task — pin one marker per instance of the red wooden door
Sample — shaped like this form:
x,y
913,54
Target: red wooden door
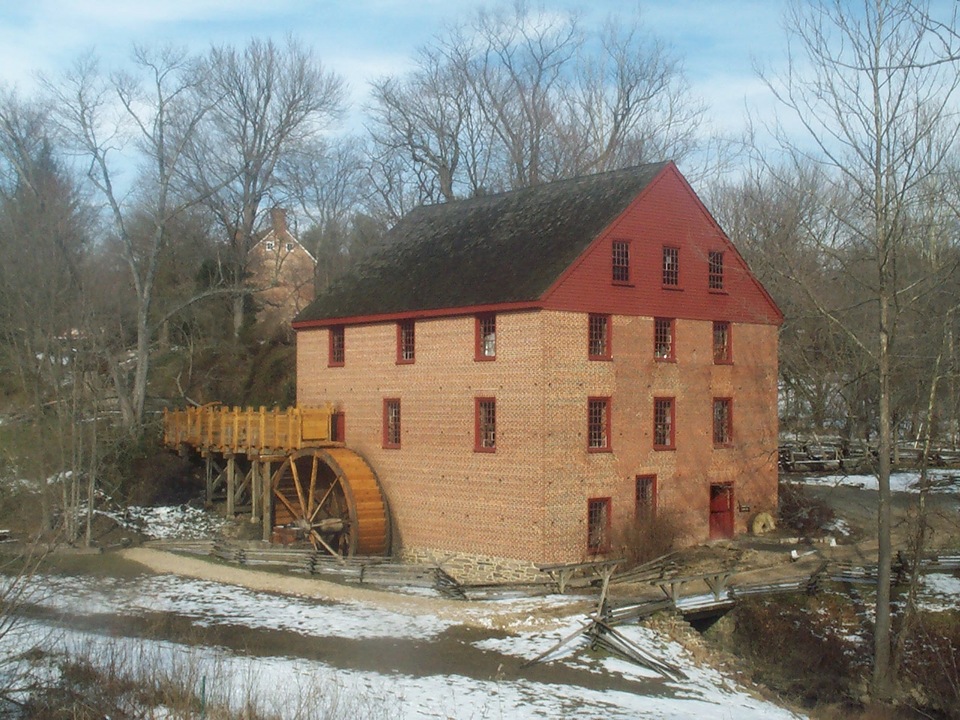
x,y
721,511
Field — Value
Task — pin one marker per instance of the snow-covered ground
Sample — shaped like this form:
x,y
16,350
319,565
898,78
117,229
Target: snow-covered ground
x,y
168,522
941,480
280,682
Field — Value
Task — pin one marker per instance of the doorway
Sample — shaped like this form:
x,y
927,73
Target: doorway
x,y
721,510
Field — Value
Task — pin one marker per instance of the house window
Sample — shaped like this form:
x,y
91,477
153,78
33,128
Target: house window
x,y
405,341
722,422
486,424
598,424
663,339
663,424
671,266
715,270
391,423
722,350
621,261
268,245
599,337
486,337
337,347
598,525
646,505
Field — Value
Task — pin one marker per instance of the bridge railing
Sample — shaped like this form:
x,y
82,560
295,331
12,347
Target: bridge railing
x,y
243,430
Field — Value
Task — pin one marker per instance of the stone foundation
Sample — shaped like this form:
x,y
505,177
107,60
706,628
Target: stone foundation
x,y
477,569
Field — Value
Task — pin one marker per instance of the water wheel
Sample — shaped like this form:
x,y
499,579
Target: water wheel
x,y
331,498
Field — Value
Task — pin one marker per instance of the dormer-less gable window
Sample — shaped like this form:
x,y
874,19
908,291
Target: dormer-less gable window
x,y
268,245
671,266
289,247
715,270
621,261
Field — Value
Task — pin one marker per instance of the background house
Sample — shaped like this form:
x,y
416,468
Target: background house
x,y
530,371
281,273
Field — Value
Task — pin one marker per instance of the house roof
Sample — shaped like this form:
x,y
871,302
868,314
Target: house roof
x,y
491,250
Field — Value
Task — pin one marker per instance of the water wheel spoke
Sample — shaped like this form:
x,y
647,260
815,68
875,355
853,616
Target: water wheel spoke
x,y
305,511
323,500
316,537
283,499
313,486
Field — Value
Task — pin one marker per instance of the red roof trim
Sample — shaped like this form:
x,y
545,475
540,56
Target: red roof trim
x,y
417,315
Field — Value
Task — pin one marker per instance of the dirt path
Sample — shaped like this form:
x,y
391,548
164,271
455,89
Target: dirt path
x,y
528,615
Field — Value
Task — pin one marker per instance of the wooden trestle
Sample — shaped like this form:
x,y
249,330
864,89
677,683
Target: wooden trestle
x,y
290,470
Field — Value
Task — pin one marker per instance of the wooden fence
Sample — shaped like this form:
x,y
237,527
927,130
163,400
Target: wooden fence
x,y
247,430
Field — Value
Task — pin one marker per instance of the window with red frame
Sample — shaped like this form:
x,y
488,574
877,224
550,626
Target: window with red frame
x,y
722,350
663,339
405,341
646,504
671,266
337,347
391,423
486,337
621,261
715,270
599,337
598,424
663,423
598,525
486,425
722,422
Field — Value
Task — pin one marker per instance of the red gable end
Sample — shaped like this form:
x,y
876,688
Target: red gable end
x,y
666,214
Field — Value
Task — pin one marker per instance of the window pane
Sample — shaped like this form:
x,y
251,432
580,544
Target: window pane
x,y
722,428
598,524
663,338
488,336
715,272
597,430
599,343
621,261
487,424
671,266
721,342
663,422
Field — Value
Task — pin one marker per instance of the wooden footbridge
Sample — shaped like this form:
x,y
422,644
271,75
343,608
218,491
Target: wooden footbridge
x,y
290,470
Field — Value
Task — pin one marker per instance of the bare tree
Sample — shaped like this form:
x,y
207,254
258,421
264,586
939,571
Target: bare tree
x,y
879,123
157,110
268,102
516,97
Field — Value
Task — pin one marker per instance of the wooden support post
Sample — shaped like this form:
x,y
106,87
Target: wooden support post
x,y
266,485
231,484
208,477
255,491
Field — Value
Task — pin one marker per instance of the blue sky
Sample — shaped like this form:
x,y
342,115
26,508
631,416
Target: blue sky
x,y
718,40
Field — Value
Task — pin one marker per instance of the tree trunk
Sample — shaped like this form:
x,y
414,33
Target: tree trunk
x,y
882,669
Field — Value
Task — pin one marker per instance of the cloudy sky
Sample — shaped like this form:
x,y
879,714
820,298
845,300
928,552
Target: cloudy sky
x,y
718,40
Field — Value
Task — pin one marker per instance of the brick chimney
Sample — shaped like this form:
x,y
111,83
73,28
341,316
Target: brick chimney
x,y
278,218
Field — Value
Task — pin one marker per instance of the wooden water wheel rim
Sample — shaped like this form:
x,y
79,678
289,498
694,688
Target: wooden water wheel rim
x,y
343,511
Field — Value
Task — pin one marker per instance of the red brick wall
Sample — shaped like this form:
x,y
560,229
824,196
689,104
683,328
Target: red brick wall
x,y
443,495
529,499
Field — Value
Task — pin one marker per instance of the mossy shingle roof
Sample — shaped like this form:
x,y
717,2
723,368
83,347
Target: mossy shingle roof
x,y
503,248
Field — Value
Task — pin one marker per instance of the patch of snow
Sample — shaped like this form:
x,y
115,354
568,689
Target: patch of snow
x,y
281,684
942,480
941,591
168,522
210,604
